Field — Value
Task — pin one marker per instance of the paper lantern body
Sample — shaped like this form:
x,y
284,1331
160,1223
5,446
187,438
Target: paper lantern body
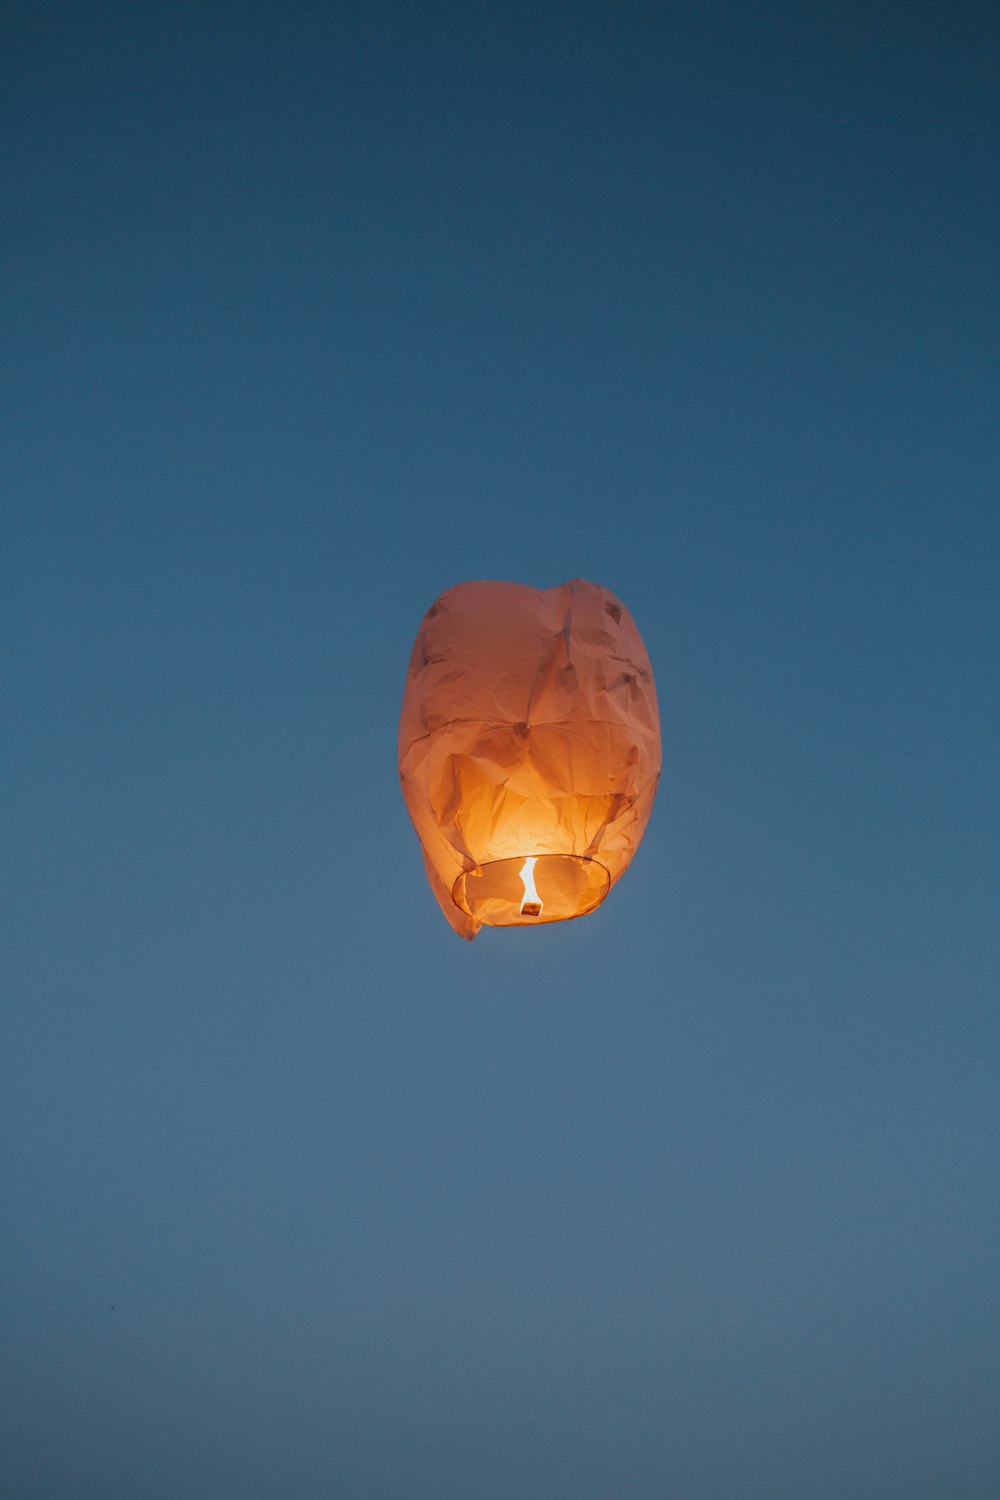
x,y
529,731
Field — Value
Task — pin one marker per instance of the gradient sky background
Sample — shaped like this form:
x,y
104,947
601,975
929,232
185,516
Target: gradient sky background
x,y
312,311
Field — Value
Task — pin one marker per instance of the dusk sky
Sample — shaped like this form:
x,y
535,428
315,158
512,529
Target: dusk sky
x,y
310,312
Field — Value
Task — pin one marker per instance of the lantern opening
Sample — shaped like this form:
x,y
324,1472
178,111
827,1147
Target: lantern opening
x,y
531,906
532,889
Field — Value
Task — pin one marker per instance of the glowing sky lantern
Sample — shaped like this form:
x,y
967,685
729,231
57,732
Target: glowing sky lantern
x,y
529,750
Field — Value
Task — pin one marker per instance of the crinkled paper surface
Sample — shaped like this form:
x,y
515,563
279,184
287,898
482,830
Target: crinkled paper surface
x,y
529,726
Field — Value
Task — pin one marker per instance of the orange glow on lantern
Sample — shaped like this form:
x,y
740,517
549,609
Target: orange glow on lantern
x,y
529,721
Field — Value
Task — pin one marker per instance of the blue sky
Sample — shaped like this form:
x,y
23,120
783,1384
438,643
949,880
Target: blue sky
x,y
310,313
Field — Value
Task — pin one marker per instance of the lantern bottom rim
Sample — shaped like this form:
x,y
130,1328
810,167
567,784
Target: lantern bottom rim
x,y
528,890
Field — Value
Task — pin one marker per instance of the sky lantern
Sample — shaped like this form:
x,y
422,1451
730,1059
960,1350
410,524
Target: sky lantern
x,y
529,750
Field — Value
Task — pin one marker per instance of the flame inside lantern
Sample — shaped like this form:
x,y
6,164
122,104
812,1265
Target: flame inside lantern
x,y
531,906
